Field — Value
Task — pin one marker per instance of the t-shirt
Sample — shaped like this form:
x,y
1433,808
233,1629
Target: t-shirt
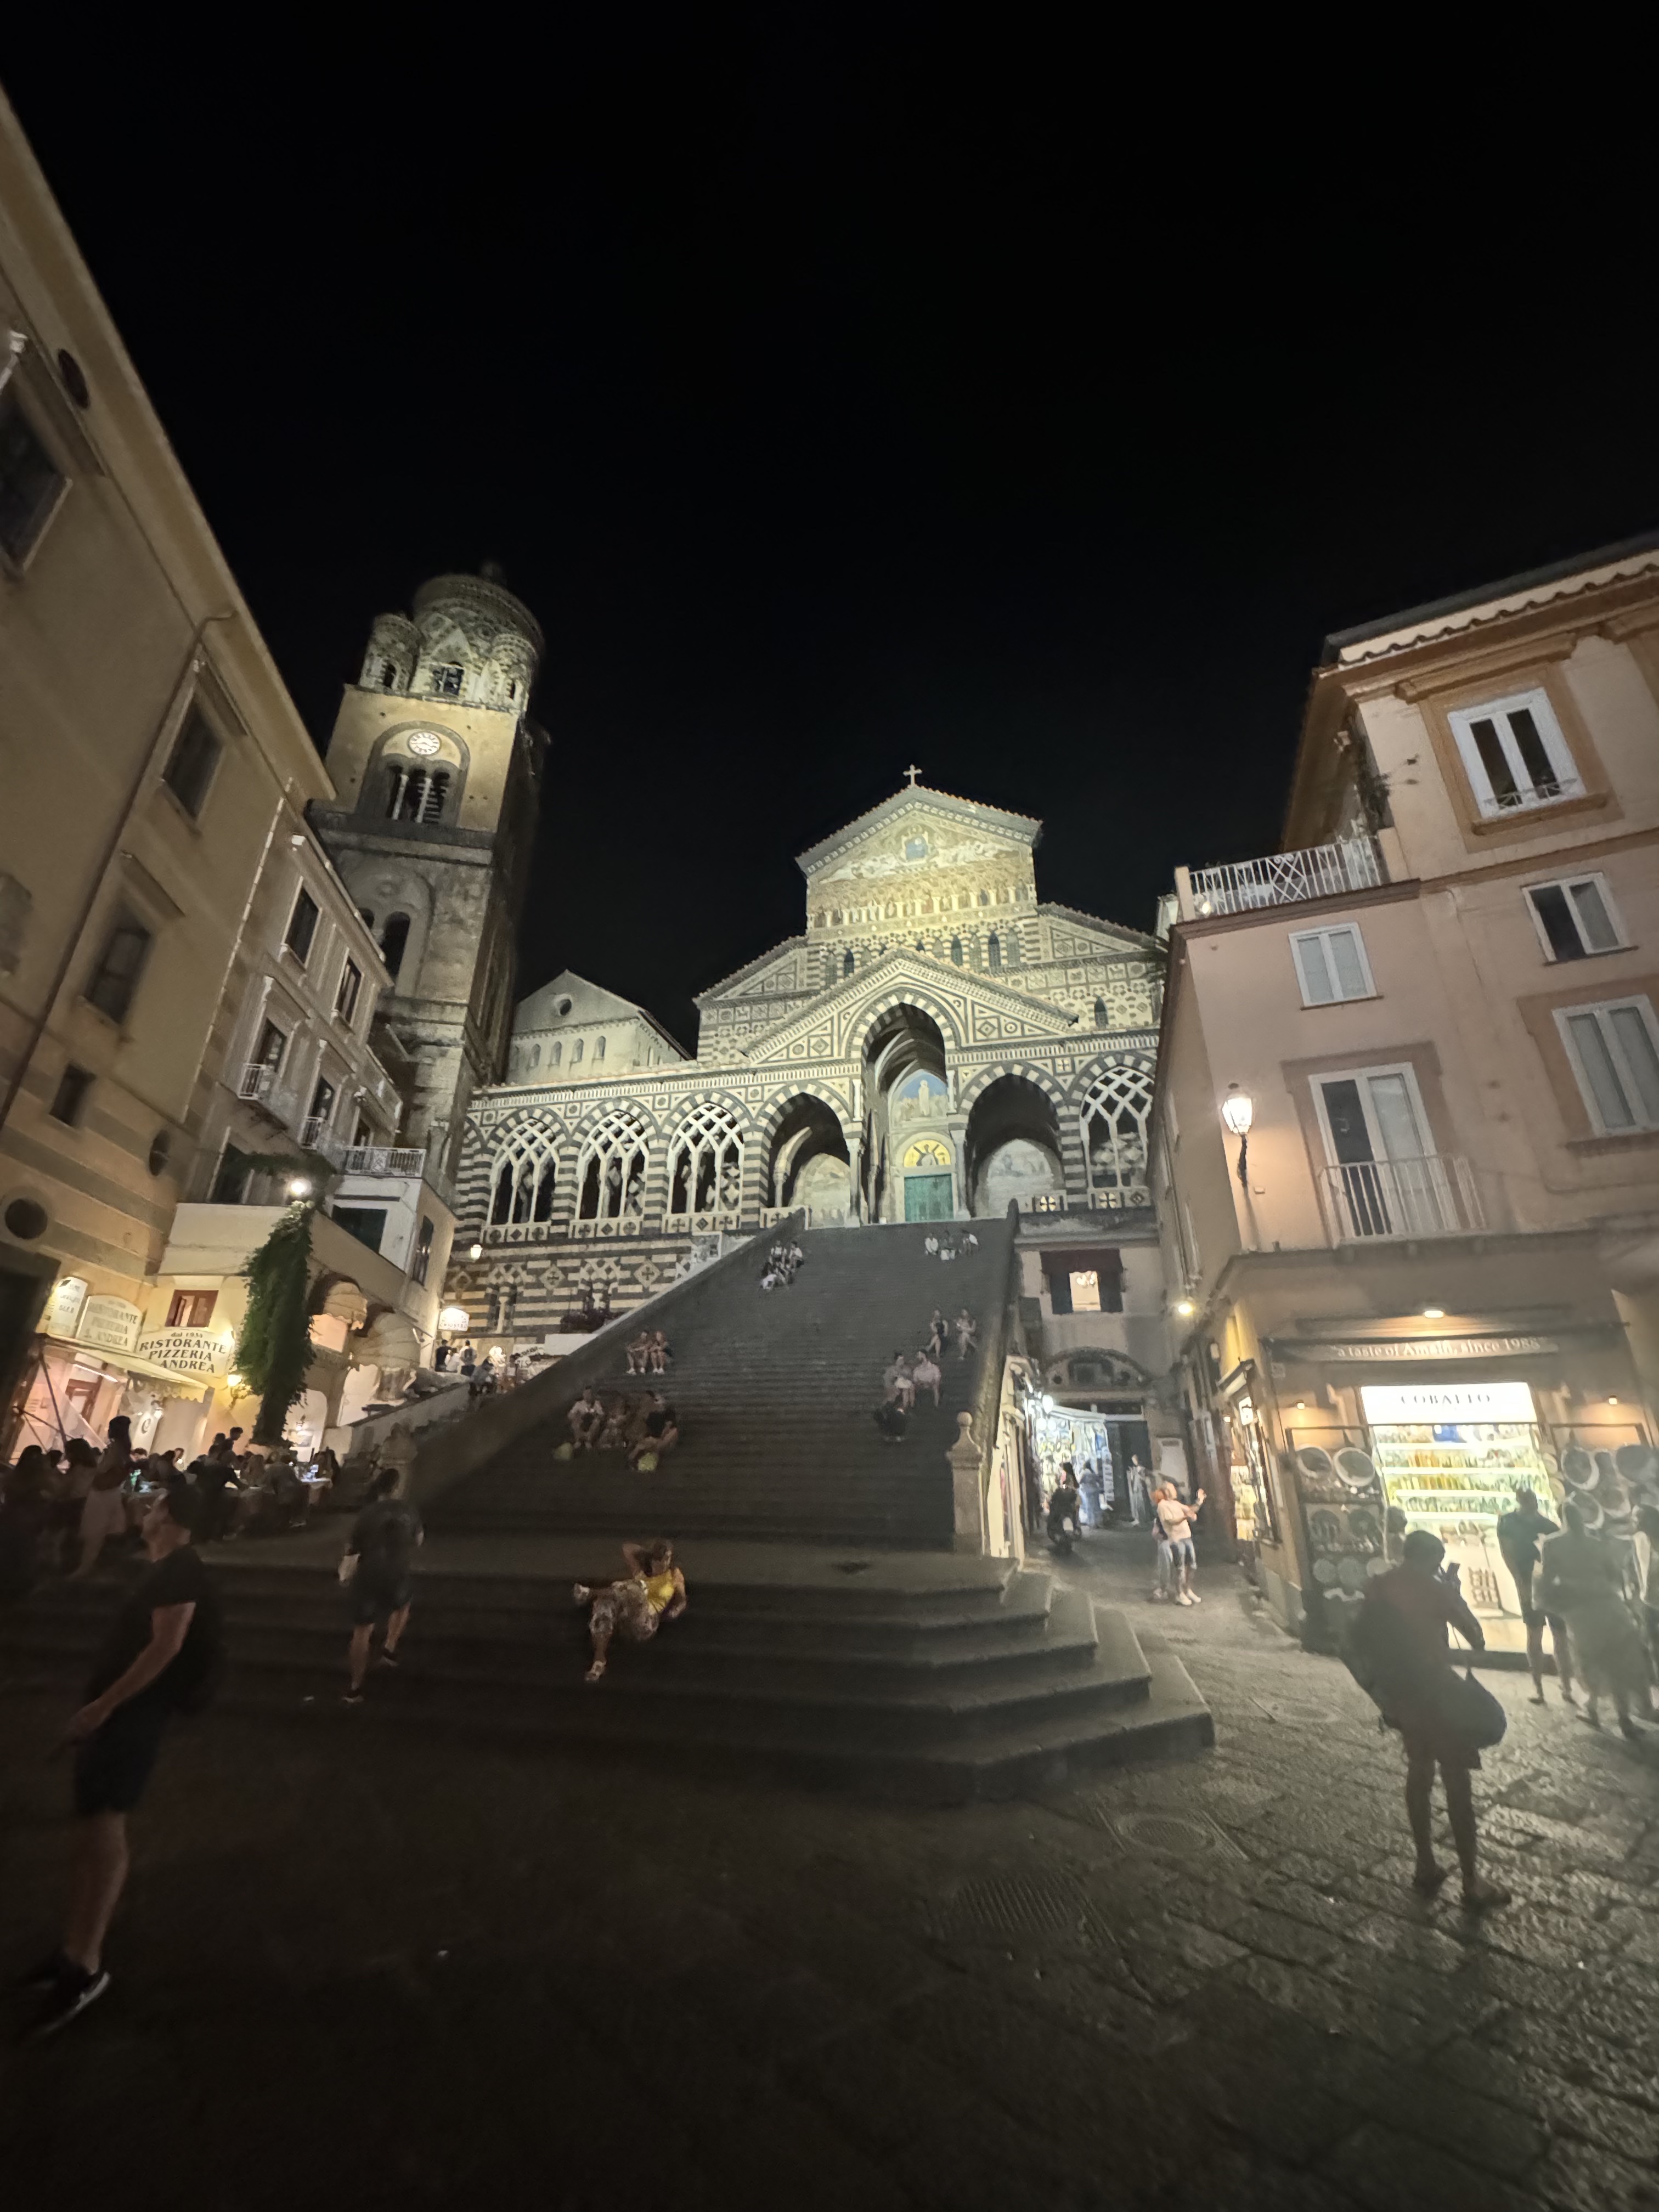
x,y
1173,1518
1518,1532
385,1537
180,1579
659,1419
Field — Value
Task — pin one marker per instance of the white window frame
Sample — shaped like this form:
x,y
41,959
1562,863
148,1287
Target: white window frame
x,y
1643,1006
1568,885
14,378
1335,929
1359,1077
1527,798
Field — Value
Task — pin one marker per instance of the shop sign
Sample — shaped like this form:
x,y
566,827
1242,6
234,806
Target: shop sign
x,y
63,1307
1425,1347
187,1351
110,1324
1473,1401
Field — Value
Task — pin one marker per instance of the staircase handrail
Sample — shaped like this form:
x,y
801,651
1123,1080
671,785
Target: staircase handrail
x,y
992,1357
463,1448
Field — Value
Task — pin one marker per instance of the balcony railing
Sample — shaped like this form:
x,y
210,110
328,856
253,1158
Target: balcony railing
x,y
1373,1200
311,1132
259,1080
1286,879
385,1160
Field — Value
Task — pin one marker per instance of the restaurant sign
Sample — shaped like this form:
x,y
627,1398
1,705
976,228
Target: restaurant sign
x,y
187,1351
109,1324
1422,1347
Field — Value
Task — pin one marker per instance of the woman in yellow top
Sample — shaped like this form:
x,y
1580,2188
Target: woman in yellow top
x,y
654,1590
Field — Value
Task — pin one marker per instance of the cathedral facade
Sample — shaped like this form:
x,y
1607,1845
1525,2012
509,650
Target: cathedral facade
x,y
937,1040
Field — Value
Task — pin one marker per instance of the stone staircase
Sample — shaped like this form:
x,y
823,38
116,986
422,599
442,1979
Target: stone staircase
x,y
931,1678
775,1393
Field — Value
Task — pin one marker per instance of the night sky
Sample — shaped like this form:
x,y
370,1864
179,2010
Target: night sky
x,y
842,394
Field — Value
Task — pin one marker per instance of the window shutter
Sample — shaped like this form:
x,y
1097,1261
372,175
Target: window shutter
x,y
1317,988
1344,948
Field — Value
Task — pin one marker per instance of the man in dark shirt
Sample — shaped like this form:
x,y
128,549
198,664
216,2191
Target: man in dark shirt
x,y
384,1541
1518,1533
158,1652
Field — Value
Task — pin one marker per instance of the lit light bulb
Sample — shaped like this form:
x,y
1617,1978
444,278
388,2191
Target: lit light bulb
x,y
1185,1308
475,1251
1434,1313
299,1187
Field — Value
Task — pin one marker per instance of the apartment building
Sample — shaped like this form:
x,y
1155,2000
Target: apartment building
x,y
166,915
1406,1140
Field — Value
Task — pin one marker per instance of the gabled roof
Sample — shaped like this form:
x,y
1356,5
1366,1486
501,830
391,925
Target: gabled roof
x,y
1098,921
589,1002
1022,828
752,968
942,974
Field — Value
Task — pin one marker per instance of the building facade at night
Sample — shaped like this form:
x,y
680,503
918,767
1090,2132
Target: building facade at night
x,y
936,1042
1407,1150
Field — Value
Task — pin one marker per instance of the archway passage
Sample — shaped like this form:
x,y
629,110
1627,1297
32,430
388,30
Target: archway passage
x,y
809,1164
1013,1146
905,1112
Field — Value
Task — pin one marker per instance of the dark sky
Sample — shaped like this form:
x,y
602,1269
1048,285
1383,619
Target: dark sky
x,y
841,393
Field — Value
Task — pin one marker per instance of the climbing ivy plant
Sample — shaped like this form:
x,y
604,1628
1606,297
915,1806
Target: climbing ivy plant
x,y
274,1348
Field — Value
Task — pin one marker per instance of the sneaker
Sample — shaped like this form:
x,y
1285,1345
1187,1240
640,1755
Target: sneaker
x,y
70,1997
1183,1599
387,1659
581,1593
351,1697
1192,1598
47,1973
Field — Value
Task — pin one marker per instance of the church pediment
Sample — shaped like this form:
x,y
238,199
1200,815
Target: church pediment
x,y
969,1009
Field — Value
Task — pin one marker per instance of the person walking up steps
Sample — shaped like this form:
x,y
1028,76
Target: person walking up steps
x,y
967,1334
161,1656
378,1571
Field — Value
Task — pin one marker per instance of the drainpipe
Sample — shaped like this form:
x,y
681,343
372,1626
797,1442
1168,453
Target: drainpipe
x,y
72,942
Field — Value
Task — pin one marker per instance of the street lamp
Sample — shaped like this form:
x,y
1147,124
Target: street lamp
x,y
299,1187
1238,1111
475,1251
1185,1308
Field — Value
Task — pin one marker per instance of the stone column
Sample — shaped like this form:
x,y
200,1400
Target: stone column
x,y
966,1460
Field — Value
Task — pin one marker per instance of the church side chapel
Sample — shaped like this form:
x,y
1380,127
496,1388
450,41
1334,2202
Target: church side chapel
x,y
936,1043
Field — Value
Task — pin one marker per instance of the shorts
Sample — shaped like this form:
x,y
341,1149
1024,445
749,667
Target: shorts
x,y
104,1513
374,1597
1529,1613
113,1765
1182,1553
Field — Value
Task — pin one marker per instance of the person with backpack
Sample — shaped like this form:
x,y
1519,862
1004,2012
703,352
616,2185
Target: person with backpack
x,y
163,1654
1399,1652
378,1571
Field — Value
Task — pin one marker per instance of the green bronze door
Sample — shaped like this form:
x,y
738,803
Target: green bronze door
x,y
927,1198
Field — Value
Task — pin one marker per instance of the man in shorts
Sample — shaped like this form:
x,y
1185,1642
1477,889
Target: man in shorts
x,y
157,1659
381,1585
1518,1534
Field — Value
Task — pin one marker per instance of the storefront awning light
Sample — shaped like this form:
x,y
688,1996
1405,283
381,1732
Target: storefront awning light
x,y
1434,1313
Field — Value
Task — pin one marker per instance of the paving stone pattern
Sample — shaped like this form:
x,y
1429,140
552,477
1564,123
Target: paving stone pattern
x,y
360,1967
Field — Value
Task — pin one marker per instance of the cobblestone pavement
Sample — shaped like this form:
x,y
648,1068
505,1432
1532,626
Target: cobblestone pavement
x,y
362,1965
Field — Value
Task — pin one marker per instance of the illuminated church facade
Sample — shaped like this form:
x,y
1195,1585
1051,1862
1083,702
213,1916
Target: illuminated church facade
x,y
936,1042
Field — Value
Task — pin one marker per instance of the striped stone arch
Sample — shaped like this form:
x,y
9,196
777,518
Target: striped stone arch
x,y
602,1108
766,1120
907,994
1114,1107
1050,1086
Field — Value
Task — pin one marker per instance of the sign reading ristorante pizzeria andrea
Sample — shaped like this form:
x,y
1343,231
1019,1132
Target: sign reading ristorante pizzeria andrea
x,y
187,1351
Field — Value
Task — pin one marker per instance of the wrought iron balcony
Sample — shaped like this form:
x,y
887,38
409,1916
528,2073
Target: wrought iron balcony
x,y
1287,879
259,1080
385,1160
1374,1200
311,1133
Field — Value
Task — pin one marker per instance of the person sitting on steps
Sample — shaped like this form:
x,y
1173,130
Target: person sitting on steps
x,y
586,1419
639,1351
652,1590
660,1429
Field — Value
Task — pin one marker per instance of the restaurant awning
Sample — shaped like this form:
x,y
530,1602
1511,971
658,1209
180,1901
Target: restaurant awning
x,y
166,1379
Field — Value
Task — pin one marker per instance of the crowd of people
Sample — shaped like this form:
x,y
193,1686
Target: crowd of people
x,y
646,1430
949,1247
783,1263
909,1374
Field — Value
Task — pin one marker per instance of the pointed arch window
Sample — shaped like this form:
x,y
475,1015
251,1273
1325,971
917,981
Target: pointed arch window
x,y
523,1180
848,962
1102,1020
598,1048
610,1168
705,1162
955,951
394,939
994,951
1116,1108
554,1052
576,1051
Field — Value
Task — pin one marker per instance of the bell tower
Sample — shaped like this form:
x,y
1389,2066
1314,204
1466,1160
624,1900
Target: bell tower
x,y
436,766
